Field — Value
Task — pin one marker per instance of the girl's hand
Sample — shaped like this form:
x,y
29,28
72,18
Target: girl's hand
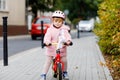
x,y
68,42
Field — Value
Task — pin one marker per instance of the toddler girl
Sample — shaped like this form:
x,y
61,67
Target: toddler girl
x,y
57,31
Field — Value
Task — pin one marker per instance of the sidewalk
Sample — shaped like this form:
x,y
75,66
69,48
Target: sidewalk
x,y
15,37
84,63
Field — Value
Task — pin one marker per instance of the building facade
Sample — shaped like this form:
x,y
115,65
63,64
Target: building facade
x,y
15,10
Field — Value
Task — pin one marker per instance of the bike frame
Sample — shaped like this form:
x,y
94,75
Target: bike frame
x,y
57,60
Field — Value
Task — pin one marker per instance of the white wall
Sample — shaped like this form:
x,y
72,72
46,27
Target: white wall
x,y
15,12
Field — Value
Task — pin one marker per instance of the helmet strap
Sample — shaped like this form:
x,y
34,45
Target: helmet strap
x,y
56,27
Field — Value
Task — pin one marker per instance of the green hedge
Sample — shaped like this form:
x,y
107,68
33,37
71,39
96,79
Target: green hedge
x,y
108,30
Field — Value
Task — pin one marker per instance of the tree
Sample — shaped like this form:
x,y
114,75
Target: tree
x,y
42,5
78,8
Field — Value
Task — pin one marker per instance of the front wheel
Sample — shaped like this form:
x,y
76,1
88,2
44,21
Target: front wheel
x,y
59,71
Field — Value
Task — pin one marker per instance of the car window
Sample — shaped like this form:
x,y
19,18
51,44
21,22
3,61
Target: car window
x,y
45,21
84,22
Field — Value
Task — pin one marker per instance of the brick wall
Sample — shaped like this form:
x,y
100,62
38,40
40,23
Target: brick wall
x,y
14,30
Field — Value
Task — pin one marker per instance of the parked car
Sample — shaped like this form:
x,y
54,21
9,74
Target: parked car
x,y
86,25
36,26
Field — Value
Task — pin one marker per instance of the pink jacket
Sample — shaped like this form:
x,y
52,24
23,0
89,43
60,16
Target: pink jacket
x,y
52,35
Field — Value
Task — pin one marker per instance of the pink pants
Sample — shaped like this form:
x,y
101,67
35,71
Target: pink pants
x,y
49,61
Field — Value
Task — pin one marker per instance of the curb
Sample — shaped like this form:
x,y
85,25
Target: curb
x,y
15,37
106,70
21,54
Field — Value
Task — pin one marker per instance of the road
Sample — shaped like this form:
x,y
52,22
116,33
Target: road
x,y
21,44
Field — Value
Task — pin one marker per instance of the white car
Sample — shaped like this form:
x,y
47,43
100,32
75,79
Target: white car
x,y
86,25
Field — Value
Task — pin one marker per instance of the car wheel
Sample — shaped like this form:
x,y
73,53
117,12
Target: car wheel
x,y
33,37
90,30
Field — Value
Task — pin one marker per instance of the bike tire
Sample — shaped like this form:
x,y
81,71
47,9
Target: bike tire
x,y
59,71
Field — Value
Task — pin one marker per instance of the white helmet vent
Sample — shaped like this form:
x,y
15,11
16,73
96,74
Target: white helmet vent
x,y
59,14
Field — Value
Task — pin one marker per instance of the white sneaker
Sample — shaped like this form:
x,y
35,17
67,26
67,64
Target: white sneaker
x,y
43,77
65,76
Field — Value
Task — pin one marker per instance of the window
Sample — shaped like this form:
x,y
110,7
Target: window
x,y
2,4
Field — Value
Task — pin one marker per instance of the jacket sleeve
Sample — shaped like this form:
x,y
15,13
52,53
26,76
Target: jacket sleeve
x,y
67,33
47,37
67,36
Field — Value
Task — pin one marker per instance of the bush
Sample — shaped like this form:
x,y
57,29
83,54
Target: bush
x,y
108,31
109,28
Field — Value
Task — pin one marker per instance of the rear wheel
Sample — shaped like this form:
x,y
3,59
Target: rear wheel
x,y
59,71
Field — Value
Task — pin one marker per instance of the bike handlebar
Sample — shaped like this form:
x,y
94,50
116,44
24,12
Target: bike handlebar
x,y
71,43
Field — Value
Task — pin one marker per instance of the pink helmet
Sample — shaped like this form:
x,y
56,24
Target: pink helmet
x,y
58,13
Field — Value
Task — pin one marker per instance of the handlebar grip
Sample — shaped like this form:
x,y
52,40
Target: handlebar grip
x,y
47,45
69,44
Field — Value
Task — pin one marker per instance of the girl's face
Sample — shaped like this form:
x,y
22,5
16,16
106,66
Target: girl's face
x,y
58,22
